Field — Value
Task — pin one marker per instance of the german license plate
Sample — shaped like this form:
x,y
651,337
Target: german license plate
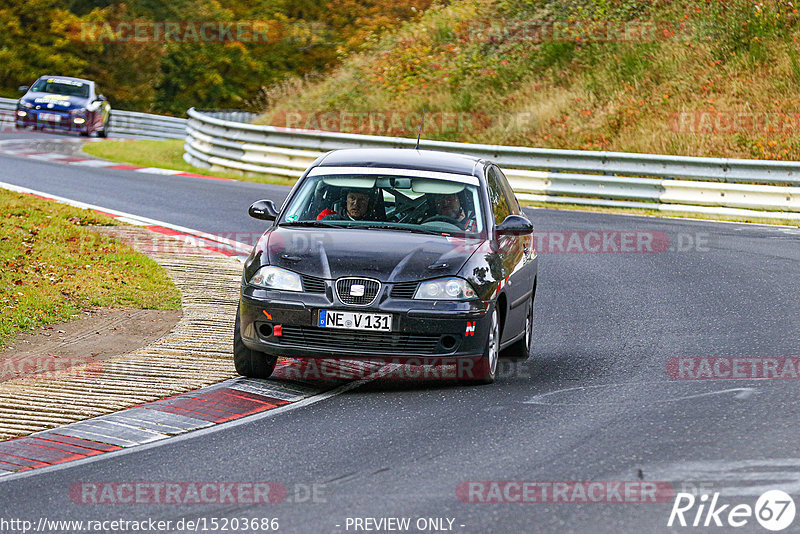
x,y
49,117
354,320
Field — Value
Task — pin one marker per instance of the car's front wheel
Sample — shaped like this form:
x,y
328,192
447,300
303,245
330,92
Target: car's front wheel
x,y
521,349
104,132
483,372
250,363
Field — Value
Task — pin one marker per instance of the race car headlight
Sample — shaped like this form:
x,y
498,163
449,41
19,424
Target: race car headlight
x,y
445,289
79,111
271,277
21,113
27,105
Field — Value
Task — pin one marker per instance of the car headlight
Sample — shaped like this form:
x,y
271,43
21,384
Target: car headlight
x,y
271,277
27,105
79,111
445,289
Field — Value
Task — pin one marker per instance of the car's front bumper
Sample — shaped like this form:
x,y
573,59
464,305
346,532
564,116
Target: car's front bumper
x,y
66,123
423,330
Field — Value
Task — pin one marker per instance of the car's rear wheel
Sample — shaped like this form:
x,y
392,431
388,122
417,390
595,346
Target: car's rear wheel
x,y
250,363
521,349
484,368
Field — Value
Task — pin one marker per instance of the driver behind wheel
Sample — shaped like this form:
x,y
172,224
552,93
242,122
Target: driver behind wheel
x,y
359,205
449,205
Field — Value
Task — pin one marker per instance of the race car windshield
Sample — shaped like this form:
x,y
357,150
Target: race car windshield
x,y
61,87
413,204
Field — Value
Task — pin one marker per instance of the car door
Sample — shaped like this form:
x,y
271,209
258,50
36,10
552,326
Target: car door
x,y
526,242
511,254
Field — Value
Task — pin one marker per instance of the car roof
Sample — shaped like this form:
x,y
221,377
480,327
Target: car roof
x,y
70,78
403,158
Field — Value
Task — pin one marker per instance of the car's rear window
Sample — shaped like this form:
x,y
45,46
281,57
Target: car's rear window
x,y
430,205
61,87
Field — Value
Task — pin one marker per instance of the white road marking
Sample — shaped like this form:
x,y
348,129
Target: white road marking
x,y
730,478
156,170
134,219
542,399
203,431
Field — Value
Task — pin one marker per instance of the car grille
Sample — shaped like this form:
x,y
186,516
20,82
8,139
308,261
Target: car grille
x,y
371,288
313,285
404,290
323,339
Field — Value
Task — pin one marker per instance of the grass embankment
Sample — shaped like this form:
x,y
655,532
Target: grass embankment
x,y
167,154
52,266
701,78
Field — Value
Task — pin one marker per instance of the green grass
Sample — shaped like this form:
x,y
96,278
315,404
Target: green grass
x,y
167,154
52,266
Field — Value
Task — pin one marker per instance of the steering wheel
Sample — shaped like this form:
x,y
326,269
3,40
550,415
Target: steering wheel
x,y
443,218
412,214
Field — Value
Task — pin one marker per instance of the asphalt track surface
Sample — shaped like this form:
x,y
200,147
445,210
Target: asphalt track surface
x,y
594,403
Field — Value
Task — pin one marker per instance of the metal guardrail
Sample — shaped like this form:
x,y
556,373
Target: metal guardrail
x,y
128,123
731,187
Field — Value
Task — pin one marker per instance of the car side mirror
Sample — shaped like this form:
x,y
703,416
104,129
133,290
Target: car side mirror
x,y
515,225
24,88
264,210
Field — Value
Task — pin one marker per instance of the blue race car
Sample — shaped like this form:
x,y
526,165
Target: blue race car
x,y
63,103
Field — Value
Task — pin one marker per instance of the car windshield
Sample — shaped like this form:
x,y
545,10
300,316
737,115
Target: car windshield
x,y
61,87
406,203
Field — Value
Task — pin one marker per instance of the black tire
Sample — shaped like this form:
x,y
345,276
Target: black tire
x,y
248,362
104,132
83,134
520,350
484,368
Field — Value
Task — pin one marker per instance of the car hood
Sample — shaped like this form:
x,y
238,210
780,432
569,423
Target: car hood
x,y
55,102
386,255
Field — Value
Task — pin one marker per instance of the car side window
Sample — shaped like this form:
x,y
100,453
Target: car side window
x,y
513,203
497,196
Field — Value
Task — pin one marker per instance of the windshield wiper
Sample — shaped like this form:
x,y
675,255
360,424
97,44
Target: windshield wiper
x,y
413,230
313,224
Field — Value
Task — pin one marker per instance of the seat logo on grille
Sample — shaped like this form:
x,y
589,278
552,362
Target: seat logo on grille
x,y
357,290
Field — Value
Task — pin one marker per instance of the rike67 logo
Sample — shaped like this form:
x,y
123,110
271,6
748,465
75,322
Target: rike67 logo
x,y
774,510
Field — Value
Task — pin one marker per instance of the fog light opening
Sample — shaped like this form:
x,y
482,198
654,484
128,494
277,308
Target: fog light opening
x,y
265,330
449,342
